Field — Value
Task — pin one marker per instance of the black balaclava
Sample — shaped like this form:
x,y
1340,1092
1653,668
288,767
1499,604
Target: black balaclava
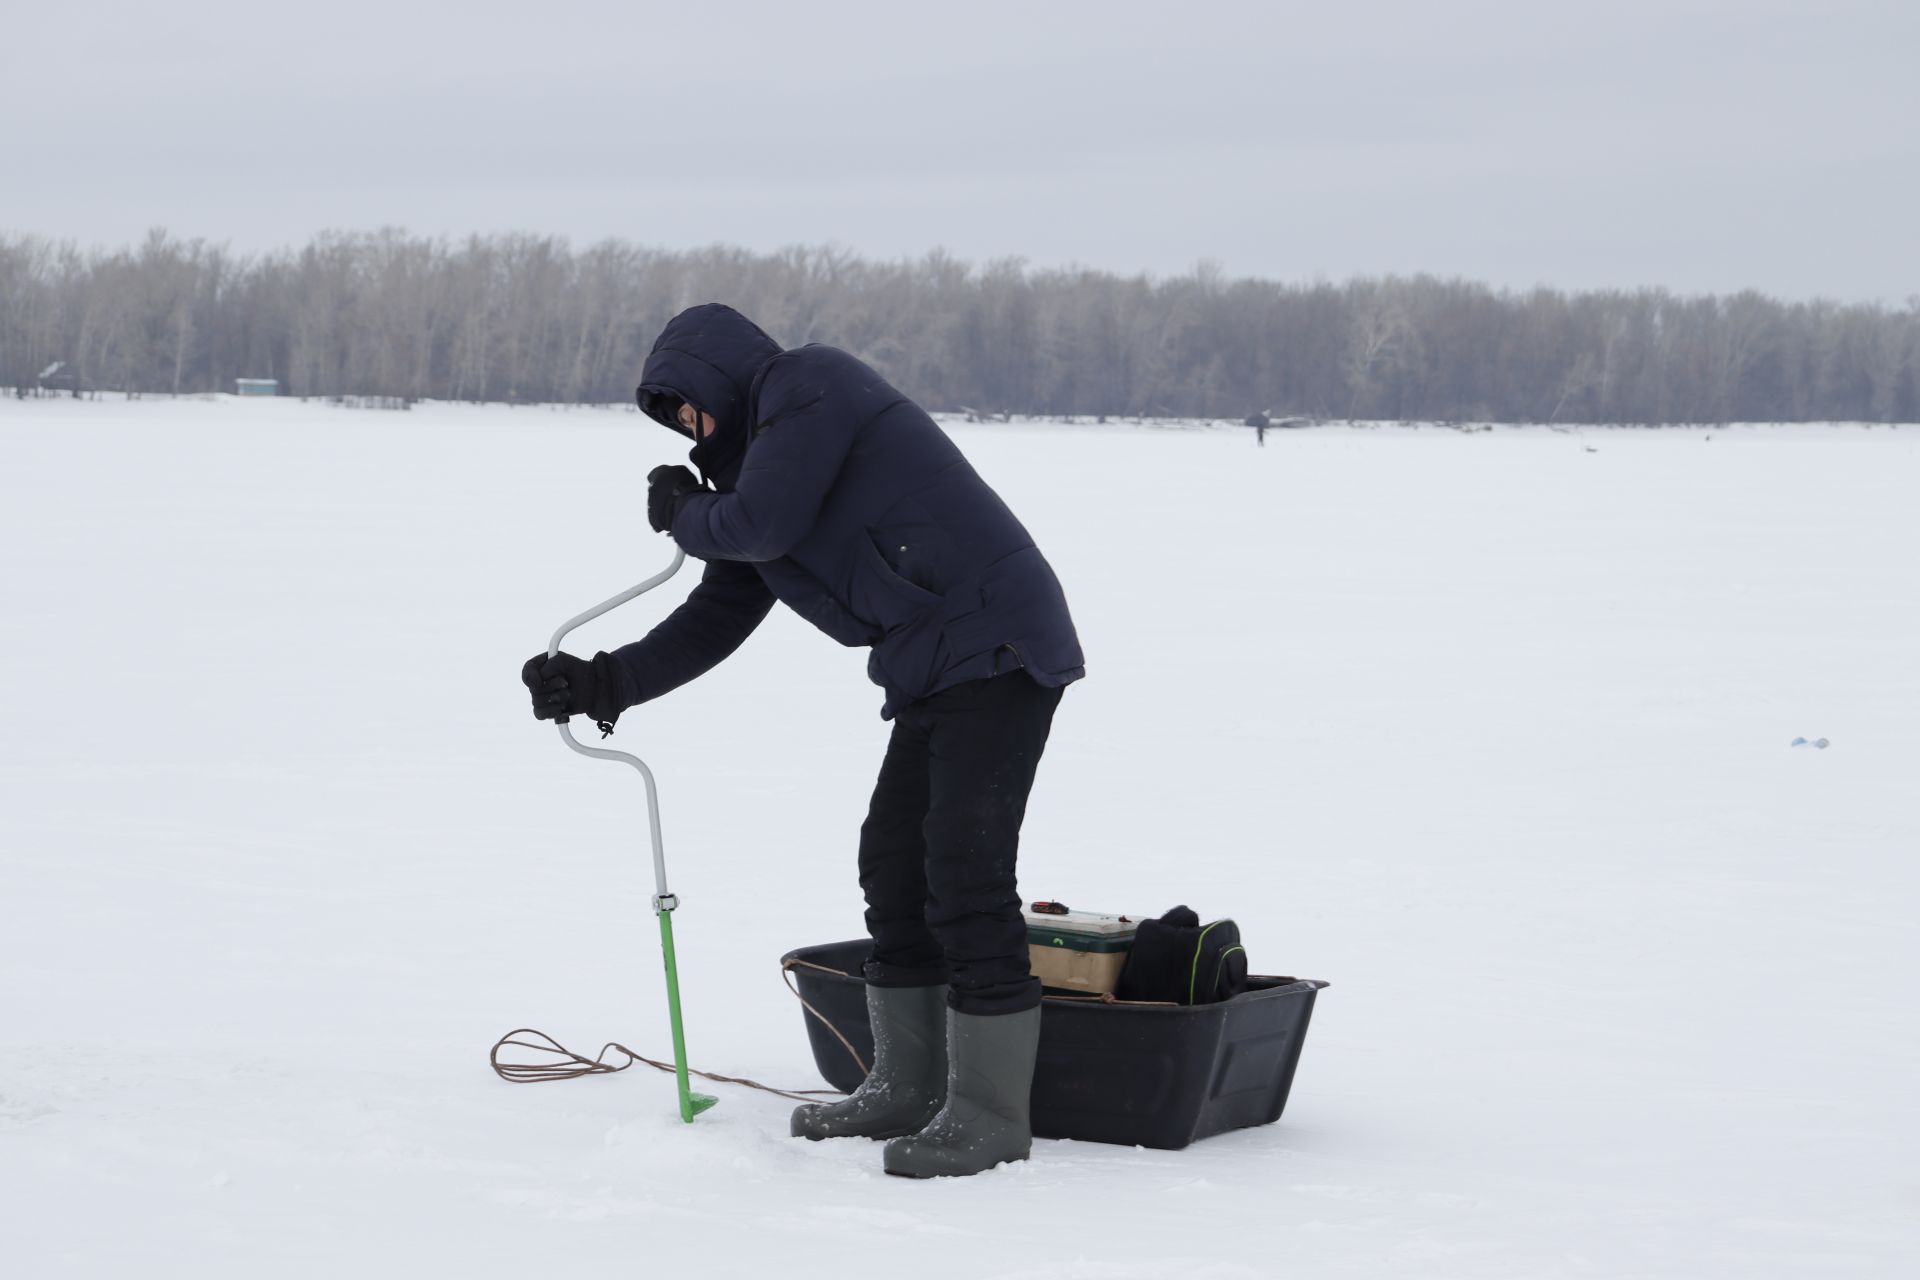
x,y
707,357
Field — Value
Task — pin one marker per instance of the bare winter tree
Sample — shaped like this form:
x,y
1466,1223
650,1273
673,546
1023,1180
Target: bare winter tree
x,y
528,318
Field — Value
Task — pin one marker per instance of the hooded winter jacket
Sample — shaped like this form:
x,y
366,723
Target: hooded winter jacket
x,y
837,495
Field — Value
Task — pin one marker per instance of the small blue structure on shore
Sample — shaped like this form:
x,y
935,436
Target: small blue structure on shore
x,y
256,386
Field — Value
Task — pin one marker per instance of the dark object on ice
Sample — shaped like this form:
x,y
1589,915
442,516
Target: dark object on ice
x,y
1258,420
1176,958
1150,1075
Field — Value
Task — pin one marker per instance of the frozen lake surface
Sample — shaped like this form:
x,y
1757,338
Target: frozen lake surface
x,y
1489,729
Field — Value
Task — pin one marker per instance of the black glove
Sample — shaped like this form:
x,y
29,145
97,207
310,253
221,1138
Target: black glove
x,y
564,686
667,487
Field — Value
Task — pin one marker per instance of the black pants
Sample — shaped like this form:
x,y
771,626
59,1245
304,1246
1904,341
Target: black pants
x,y
938,847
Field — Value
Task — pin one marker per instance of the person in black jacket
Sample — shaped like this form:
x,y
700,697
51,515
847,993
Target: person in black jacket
x,y
823,487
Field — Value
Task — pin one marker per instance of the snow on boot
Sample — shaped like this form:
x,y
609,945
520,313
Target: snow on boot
x,y
985,1121
909,1077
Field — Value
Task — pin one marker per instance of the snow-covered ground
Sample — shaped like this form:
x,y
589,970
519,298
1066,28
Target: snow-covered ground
x,y
1489,729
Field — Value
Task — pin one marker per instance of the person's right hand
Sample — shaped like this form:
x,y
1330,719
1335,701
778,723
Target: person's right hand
x,y
564,686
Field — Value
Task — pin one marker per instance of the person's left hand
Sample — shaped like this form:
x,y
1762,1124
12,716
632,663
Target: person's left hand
x,y
667,487
563,686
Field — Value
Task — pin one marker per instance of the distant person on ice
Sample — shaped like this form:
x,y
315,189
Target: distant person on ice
x,y
838,496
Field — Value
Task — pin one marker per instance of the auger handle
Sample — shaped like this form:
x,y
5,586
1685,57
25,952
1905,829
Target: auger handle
x,y
601,753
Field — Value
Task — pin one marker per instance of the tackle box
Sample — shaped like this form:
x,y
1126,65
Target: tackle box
x,y
1077,952
1149,1075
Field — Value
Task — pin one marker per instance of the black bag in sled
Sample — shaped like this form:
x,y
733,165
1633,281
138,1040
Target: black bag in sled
x,y
1179,960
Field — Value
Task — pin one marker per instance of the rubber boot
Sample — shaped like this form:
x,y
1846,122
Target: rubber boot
x,y
909,1077
986,1120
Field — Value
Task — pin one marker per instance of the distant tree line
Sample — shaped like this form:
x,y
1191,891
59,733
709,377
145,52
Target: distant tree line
x,y
528,318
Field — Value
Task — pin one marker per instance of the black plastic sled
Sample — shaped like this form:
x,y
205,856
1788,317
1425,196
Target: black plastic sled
x,y
1144,1075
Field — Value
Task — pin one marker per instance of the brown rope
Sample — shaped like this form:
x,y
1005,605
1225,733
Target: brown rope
x,y
786,975
1107,997
563,1063
568,1065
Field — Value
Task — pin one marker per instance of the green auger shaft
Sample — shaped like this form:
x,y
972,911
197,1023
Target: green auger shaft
x,y
691,1103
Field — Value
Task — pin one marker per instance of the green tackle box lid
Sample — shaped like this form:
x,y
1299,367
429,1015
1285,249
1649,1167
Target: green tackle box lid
x,y
1078,930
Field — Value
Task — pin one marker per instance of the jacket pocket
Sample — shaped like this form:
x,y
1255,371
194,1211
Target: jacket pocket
x,y
880,595
973,625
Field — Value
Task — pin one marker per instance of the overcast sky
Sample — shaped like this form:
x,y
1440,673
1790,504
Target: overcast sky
x,y
1701,146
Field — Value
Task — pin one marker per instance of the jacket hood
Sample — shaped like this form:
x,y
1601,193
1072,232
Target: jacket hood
x,y
706,356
